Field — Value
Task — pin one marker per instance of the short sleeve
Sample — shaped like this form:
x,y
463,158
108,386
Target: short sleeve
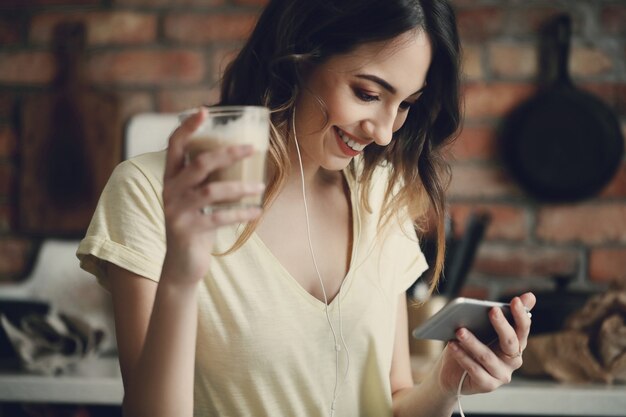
x,y
128,228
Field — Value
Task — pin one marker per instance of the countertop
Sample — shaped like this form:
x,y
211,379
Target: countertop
x,y
98,382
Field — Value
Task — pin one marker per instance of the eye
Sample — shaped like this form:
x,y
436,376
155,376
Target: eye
x,y
364,96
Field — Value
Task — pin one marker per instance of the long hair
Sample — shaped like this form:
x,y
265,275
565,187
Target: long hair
x,y
292,35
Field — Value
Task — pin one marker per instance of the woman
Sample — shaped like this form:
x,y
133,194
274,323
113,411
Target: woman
x,y
298,309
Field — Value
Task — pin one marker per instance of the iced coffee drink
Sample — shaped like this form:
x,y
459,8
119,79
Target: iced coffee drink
x,y
234,125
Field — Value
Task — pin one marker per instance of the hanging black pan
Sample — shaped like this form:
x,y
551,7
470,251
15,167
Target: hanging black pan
x,y
564,144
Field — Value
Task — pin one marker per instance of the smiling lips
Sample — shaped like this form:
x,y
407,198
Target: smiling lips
x,y
352,144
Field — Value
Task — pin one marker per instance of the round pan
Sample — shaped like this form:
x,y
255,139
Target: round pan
x,y
563,144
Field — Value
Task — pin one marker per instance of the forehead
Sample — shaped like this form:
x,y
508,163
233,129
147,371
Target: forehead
x,y
402,61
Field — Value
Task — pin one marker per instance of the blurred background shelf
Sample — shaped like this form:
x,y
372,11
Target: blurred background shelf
x,y
98,382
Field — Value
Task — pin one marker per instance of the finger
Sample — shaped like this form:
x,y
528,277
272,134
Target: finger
x,y
508,339
205,163
529,300
483,355
178,141
479,379
215,193
522,320
230,216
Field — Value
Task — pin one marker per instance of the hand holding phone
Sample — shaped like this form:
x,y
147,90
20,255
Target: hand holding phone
x,y
462,312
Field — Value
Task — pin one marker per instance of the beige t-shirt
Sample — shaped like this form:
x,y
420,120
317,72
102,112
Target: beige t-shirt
x,y
264,346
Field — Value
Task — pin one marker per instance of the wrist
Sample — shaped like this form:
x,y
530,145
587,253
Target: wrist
x,y
436,384
180,272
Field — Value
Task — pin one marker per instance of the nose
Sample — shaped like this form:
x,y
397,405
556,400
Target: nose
x,y
380,127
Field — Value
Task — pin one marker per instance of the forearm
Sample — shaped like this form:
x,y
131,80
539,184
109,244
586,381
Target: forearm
x,y
424,400
161,383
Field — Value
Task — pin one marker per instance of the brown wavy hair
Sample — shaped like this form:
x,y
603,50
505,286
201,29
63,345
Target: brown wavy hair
x,y
292,35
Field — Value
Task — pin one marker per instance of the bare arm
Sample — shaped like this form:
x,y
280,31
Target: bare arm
x,y
425,399
156,324
156,337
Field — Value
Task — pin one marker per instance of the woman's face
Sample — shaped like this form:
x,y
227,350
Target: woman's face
x,y
367,94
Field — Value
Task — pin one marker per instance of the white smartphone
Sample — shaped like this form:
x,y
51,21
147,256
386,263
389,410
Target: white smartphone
x,y
462,312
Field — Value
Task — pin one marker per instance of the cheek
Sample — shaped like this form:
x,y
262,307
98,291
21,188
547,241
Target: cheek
x,y
339,110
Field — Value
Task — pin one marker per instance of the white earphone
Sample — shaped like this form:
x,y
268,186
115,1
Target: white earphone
x,y
337,346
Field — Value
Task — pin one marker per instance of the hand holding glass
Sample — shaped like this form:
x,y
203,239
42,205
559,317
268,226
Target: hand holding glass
x,y
234,125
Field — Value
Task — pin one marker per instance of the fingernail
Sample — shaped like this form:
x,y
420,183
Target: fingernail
x,y
453,346
461,334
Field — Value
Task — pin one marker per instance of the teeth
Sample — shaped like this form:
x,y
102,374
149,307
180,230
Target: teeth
x,y
355,146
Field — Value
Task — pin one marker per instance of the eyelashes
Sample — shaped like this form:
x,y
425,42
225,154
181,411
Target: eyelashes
x,y
368,98
363,96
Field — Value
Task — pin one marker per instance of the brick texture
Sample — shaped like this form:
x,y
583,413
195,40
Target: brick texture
x,y
148,67
508,60
591,224
494,99
220,60
526,261
176,100
472,62
26,67
608,264
193,28
588,62
528,21
507,221
102,27
477,24
485,181
475,143
136,102
613,18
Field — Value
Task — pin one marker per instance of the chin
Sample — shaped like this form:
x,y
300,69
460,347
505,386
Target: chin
x,y
336,164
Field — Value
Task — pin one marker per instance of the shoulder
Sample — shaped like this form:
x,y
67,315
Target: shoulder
x,y
145,168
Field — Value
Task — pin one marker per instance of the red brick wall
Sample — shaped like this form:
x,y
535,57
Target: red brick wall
x,y
166,55
527,241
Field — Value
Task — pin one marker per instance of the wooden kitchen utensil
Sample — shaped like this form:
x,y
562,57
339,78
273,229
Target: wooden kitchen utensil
x,y
71,139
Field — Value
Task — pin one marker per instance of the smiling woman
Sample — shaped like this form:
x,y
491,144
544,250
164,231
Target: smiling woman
x,y
359,105
298,308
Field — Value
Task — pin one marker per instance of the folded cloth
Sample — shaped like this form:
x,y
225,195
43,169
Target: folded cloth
x,y
590,348
51,343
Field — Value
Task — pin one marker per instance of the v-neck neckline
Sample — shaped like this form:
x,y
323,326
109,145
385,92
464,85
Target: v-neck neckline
x,y
345,283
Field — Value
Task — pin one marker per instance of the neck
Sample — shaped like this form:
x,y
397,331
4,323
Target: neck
x,y
314,174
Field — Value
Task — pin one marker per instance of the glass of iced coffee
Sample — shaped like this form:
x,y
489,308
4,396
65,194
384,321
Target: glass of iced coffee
x,y
234,125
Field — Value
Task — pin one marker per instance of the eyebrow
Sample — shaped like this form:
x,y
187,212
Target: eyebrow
x,y
384,84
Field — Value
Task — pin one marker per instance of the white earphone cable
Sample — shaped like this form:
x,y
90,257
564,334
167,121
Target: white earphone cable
x,y
337,347
458,393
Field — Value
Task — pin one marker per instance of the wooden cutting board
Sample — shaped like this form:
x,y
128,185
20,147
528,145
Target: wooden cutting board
x,y
70,141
